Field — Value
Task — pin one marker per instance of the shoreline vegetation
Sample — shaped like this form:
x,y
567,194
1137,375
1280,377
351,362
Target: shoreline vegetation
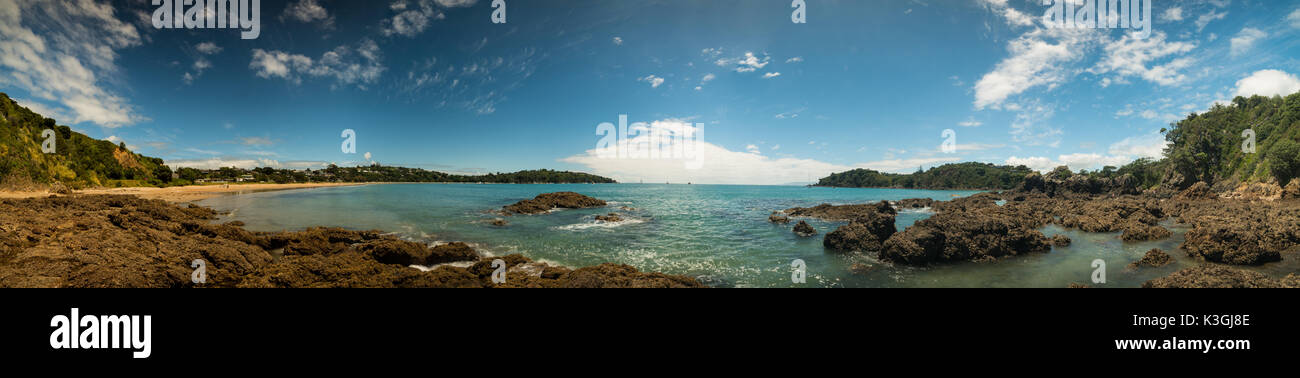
x,y
37,154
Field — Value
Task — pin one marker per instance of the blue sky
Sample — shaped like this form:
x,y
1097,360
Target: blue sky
x,y
435,84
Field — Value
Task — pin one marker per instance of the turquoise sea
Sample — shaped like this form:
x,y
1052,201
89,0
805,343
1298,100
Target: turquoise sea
x,y
718,233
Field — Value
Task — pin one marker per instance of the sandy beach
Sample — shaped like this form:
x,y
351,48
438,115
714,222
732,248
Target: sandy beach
x,y
181,194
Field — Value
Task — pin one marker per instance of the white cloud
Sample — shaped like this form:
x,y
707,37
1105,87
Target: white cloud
x,y
1130,56
361,65
753,149
618,41
1012,16
1121,153
654,81
1294,18
796,59
1034,62
1074,161
1031,126
1144,146
1207,18
723,166
309,11
747,63
367,155
1173,14
216,163
1268,83
1245,40
770,75
456,3
970,122
201,63
411,20
79,44
254,141
208,48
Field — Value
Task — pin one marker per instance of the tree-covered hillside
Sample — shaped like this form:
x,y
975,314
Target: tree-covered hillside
x,y
379,173
1212,147
78,160
950,176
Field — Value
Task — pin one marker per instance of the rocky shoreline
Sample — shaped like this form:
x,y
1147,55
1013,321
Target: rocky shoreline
x,y
117,241
1243,228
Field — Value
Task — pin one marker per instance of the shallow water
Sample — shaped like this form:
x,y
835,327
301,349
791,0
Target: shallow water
x,y
718,233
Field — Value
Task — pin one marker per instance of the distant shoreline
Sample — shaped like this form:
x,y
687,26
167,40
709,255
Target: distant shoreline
x,y
192,193
182,194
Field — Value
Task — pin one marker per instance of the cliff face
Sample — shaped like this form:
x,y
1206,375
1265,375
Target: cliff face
x,y
77,160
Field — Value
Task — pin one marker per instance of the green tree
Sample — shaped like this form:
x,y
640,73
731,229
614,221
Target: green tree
x,y
1284,160
163,173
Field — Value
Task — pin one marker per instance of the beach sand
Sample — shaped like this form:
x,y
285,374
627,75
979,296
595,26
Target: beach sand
x,y
180,194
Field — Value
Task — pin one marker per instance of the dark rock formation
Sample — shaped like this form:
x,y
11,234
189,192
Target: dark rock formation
x,y
1154,258
1059,186
450,252
778,218
861,269
548,201
976,235
123,241
393,251
1292,190
1111,214
1137,231
916,203
499,222
1231,243
1061,241
866,233
1198,191
1217,276
611,217
843,212
803,229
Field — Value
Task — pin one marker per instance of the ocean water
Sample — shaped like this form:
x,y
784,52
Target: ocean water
x,y
718,233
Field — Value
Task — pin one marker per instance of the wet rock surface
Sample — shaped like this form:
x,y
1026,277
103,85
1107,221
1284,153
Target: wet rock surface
x,y
611,217
915,203
1061,241
867,233
803,229
549,201
976,234
830,212
778,218
1218,276
1154,258
123,241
